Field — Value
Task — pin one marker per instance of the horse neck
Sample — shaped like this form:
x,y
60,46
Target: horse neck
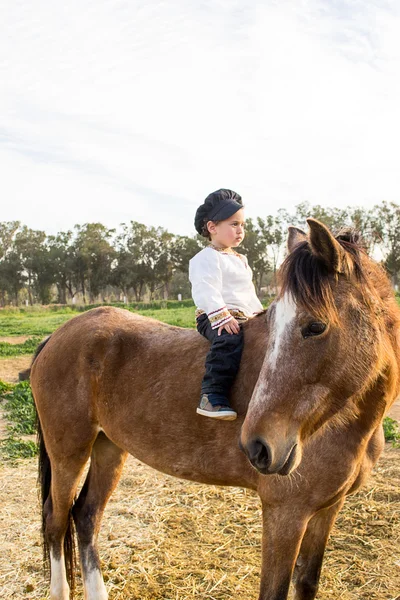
x,y
364,413
372,404
255,346
385,388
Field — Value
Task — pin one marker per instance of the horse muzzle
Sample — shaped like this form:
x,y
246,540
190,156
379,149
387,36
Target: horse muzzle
x,y
272,461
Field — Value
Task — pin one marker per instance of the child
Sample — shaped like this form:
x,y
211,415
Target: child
x,y
224,294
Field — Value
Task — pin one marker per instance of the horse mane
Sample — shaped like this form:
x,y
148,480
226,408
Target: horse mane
x,y
311,283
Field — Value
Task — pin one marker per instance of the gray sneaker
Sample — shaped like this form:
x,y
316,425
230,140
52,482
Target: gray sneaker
x,y
205,408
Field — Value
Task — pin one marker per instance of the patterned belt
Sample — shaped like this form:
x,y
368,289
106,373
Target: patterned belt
x,y
238,314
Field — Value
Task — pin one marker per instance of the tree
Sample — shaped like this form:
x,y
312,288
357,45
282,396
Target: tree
x,y
387,228
127,276
7,234
93,257
273,231
62,257
254,246
42,266
12,278
158,258
367,223
143,258
150,256
184,248
334,218
129,270
29,245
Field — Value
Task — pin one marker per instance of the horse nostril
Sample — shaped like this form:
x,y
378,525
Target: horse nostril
x,y
259,454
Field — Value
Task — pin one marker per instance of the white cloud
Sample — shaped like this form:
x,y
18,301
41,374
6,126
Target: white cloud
x,y
112,111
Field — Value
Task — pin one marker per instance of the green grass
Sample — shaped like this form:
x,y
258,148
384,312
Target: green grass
x,y
139,306
20,413
27,347
392,431
42,321
35,323
183,317
39,324
13,448
19,409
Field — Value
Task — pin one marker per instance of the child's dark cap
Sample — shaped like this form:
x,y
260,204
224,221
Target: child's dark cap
x,y
218,206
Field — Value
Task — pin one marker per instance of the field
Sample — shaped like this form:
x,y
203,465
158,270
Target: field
x,y
163,538
42,322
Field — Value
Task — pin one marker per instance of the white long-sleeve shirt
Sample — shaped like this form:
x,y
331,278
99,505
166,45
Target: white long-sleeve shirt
x,y
222,281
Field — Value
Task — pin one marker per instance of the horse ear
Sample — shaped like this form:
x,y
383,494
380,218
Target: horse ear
x,y
325,247
295,237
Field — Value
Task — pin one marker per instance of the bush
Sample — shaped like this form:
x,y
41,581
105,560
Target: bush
x,y
4,387
392,431
155,305
38,309
28,347
19,407
13,448
19,410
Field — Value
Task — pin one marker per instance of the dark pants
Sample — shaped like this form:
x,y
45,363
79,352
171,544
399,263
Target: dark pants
x,y
223,358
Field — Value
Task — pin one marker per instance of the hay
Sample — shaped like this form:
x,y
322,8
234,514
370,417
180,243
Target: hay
x,y
163,538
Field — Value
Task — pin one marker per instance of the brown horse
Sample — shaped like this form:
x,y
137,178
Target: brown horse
x,y
319,370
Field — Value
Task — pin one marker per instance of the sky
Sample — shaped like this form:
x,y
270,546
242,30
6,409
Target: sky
x,y
112,111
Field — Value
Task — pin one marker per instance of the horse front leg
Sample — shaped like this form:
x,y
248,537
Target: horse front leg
x,y
309,562
283,530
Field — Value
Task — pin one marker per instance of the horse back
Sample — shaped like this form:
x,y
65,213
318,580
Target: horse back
x,y
138,380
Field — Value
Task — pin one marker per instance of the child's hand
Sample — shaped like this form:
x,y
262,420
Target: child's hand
x,y
231,326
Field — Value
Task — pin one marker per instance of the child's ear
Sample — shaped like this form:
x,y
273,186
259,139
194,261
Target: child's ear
x,y
211,226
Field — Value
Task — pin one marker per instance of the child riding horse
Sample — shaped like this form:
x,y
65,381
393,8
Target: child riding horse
x,y
319,370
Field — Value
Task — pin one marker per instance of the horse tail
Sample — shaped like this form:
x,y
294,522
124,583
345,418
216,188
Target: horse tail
x,y
25,375
44,479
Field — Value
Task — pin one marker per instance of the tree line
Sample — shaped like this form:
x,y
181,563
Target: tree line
x,y
93,263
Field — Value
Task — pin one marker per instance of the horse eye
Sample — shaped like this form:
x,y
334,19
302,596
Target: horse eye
x,y
315,328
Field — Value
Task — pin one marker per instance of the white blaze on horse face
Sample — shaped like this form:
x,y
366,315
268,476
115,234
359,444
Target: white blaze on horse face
x,y
285,312
94,586
59,588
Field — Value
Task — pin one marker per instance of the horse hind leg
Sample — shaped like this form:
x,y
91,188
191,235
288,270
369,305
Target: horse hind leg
x,y
57,524
309,561
106,463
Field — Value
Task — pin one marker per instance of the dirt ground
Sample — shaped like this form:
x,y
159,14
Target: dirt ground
x,y
10,367
15,339
163,538
394,412
167,539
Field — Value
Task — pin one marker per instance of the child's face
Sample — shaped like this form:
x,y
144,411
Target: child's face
x,y
229,232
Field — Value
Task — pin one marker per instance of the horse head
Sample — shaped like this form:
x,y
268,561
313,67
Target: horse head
x,y
332,334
